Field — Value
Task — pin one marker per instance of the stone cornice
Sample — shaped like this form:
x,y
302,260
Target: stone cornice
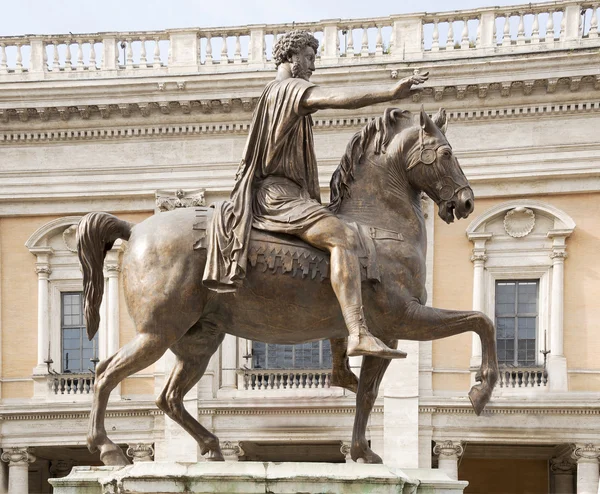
x,y
176,106
167,130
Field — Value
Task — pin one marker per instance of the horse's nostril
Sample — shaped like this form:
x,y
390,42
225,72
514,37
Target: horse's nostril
x,y
469,205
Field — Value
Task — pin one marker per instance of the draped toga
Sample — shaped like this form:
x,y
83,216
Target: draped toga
x,y
276,187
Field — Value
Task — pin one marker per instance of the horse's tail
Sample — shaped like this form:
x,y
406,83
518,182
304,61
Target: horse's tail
x,y
96,234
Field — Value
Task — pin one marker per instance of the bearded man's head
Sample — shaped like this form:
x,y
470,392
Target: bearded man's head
x,y
291,46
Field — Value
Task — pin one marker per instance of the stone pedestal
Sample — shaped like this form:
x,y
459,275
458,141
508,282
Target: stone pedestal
x,y
449,452
587,456
255,478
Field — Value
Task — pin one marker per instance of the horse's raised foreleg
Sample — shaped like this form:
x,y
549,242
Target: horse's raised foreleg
x,y
193,352
371,374
139,353
427,323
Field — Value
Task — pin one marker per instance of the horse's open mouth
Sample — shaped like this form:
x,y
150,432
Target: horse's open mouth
x,y
446,211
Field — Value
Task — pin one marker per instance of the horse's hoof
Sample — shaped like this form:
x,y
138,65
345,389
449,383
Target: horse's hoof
x,y
479,399
367,456
112,455
214,455
346,379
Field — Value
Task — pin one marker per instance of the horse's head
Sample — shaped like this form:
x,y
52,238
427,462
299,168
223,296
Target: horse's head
x,y
432,167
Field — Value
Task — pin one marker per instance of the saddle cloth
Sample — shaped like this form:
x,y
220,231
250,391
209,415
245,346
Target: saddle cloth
x,y
281,253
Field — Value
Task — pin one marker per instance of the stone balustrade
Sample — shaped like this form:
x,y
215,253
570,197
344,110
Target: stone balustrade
x,y
523,377
71,384
481,32
277,379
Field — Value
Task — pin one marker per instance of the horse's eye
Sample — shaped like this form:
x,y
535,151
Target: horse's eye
x,y
447,153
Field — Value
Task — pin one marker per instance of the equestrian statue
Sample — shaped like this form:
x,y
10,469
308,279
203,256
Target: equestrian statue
x,y
273,264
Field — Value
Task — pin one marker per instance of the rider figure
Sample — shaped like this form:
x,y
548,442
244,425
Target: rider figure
x,y
277,185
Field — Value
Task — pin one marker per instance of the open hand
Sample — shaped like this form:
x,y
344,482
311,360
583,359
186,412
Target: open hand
x,y
405,86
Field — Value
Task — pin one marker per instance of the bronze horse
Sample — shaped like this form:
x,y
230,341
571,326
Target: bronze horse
x,y
379,184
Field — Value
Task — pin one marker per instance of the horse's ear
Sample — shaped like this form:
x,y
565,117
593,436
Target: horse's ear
x,y
426,122
441,120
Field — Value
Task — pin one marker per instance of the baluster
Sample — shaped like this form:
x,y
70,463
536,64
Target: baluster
x,y
79,56
92,64
379,43
279,379
237,57
506,41
521,30
535,29
80,385
435,43
254,380
364,49
297,380
209,58
3,60
19,60
224,55
495,35
156,62
581,23
450,40
55,57
464,40
392,45
68,65
350,44
478,38
563,27
143,61
594,23
327,380
550,28
129,59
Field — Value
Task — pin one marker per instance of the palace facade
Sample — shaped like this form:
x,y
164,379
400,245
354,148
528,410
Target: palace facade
x,y
136,123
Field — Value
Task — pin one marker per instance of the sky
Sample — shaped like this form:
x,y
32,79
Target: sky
x,y
84,16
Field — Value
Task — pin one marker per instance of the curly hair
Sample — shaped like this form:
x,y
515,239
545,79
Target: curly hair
x,y
293,43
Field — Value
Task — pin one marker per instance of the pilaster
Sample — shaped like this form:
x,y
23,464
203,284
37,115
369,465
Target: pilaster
x,y
587,467
478,258
140,452
449,451
563,475
18,460
232,450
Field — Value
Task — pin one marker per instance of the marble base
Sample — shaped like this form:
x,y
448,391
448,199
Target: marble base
x,y
255,478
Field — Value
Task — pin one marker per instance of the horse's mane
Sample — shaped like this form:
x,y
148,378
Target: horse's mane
x,y
380,130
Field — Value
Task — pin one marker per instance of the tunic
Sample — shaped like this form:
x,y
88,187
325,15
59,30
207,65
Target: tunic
x,y
276,188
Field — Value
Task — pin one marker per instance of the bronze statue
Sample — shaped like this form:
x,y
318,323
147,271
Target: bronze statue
x,y
386,166
277,190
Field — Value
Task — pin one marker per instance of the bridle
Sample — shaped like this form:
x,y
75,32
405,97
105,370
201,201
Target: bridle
x,y
446,186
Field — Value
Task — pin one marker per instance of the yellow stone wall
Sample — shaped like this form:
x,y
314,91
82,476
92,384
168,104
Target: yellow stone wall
x,y
452,263
18,308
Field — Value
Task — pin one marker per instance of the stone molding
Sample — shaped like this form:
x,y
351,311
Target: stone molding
x,y
246,104
17,456
182,129
490,410
167,200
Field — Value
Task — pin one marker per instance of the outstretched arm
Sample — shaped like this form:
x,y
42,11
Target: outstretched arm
x,y
319,98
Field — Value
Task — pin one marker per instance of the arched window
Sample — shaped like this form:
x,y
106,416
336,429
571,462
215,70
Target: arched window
x,y
518,258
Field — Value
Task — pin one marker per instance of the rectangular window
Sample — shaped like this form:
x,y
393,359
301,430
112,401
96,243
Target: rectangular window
x,y
516,322
77,350
313,355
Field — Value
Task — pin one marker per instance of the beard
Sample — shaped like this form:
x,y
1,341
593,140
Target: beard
x,y
298,71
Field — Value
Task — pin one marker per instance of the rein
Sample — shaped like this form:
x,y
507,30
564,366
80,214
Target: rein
x,y
446,186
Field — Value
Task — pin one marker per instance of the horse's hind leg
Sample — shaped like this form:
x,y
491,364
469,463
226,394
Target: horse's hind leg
x,y
371,374
193,352
139,353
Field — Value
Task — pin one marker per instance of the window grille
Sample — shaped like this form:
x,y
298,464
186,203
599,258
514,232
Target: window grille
x,y
517,322
78,353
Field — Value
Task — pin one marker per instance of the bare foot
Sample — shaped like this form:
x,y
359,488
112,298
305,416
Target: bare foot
x,y
367,344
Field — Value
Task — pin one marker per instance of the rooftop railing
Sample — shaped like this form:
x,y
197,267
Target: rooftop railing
x,y
525,28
